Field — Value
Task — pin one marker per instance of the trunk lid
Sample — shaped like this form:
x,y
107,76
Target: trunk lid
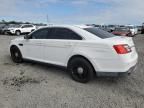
x,y
124,40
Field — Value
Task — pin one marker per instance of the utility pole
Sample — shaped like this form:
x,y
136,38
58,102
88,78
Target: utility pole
x,y
47,19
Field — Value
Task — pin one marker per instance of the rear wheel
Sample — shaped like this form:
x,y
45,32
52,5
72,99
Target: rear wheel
x,y
80,70
17,33
16,55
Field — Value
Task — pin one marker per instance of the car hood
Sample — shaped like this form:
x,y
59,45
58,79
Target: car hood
x,y
19,38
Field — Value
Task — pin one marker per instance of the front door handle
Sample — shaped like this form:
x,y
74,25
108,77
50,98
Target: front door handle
x,y
20,44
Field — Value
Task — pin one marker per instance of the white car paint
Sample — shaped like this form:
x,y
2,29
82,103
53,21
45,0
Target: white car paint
x,y
133,29
99,52
22,29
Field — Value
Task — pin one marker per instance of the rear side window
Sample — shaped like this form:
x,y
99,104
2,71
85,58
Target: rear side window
x,y
63,33
27,26
100,33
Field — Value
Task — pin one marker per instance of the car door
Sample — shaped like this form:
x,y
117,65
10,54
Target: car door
x,y
24,29
33,47
30,28
59,45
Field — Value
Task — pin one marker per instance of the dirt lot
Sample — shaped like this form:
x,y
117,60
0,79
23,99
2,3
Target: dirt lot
x,y
33,85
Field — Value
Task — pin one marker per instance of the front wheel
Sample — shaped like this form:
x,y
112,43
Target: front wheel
x,y
16,55
80,70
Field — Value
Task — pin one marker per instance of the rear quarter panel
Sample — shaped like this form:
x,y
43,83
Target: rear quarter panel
x,y
96,52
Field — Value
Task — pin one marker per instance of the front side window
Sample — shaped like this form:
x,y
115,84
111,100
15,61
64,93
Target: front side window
x,y
40,34
63,33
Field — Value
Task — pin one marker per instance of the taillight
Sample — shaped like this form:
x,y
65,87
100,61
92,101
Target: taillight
x,y
122,48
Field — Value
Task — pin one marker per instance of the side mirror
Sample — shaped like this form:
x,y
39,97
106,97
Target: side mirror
x,y
26,37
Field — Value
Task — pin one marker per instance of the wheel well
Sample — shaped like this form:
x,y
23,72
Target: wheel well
x,y
13,46
17,30
80,56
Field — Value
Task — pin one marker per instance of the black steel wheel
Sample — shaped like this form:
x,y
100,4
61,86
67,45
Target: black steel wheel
x,y
80,70
16,55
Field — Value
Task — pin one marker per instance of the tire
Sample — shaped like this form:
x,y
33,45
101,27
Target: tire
x,y
18,33
16,55
80,70
142,32
5,33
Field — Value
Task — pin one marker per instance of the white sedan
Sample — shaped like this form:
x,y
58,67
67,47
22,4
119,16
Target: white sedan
x,y
84,50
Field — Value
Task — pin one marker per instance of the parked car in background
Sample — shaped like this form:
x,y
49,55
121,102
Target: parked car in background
x,y
6,27
139,28
96,25
85,51
20,29
121,26
133,29
112,27
142,30
122,31
93,25
1,27
105,28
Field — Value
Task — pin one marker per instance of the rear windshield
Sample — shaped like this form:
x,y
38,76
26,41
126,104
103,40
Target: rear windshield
x,y
100,33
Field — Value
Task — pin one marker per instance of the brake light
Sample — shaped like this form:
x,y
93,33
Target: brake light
x,y
122,48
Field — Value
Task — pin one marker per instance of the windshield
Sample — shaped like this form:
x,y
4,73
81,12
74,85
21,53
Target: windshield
x,y
100,33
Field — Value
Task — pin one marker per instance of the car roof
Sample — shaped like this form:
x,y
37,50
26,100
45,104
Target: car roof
x,y
82,26
25,24
77,28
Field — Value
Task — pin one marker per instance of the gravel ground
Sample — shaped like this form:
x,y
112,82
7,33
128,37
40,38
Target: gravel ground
x,y
33,85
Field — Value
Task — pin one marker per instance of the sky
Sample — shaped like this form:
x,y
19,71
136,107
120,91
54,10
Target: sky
x,y
73,11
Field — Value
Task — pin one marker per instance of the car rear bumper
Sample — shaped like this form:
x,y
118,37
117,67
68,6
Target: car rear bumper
x,y
115,67
117,74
